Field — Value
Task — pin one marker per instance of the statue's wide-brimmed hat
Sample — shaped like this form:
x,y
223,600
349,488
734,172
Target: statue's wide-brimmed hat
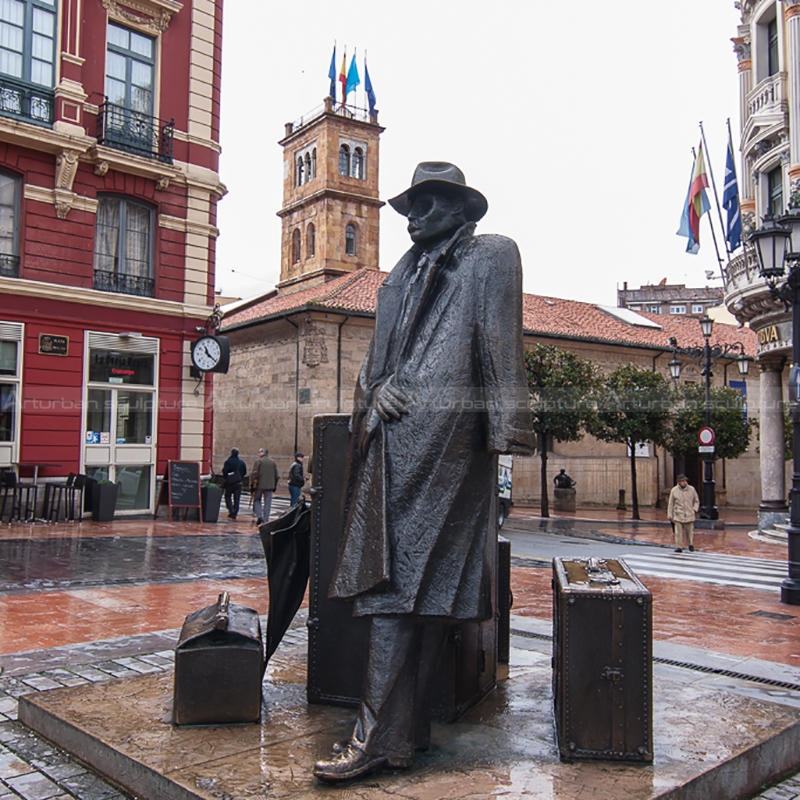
x,y
431,175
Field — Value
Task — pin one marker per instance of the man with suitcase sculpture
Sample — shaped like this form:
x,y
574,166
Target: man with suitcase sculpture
x,y
441,392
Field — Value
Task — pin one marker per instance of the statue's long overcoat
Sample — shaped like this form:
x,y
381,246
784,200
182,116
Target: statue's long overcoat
x,y
449,333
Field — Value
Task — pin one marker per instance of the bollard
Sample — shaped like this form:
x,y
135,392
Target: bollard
x,y
621,502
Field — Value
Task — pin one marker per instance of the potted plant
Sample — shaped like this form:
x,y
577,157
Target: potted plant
x,y
104,501
211,497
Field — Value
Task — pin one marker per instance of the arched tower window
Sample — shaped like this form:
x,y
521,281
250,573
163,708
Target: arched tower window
x,y
299,172
296,246
308,175
357,167
314,163
311,243
350,240
344,160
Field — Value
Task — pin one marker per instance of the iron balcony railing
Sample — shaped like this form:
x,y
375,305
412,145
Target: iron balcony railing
x,y
25,101
349,112
124,284
135,132
9,265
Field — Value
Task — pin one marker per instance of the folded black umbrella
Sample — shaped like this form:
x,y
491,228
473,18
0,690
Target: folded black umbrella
x,y
287,548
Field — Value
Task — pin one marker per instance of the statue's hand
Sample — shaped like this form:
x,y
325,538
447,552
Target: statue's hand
x,y
390,401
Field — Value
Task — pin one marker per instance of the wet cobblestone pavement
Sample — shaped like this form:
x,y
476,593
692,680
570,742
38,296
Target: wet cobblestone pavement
x,y
87,603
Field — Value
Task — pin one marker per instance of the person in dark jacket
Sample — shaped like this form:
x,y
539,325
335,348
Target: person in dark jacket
x,y
441,393
233,470
296,478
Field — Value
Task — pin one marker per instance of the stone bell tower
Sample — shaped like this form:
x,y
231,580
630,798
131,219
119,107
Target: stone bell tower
x,y
330,196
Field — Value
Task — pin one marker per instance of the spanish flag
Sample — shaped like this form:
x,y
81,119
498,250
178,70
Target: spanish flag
x,y
343,77
696,204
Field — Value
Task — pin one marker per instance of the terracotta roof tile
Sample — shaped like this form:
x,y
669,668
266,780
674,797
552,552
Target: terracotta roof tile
x,y
542,316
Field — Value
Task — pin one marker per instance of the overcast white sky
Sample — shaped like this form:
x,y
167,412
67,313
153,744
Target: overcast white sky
x,y
575,119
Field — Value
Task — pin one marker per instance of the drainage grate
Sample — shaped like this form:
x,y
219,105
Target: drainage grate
x,y
727,673
770,615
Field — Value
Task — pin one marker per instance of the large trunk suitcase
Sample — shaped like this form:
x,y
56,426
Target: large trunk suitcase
x,y
337,641
602,661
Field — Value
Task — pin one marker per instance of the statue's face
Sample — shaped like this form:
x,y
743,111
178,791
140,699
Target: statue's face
x,y
433,216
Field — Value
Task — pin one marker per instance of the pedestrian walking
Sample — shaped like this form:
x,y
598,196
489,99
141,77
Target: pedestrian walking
x,y
296,478
263,482
681,510
233,470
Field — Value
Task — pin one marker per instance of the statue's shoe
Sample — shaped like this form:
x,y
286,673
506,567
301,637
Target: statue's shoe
x,y
348,762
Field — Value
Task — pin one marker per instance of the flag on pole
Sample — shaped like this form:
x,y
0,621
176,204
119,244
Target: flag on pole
x,y
343,77
353,81
332,74
369,90
730,200
696,204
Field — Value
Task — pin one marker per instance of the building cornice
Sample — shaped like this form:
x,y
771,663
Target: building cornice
x,y
336,194
72,294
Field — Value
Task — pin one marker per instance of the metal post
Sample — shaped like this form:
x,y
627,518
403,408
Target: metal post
x,y
708,510
790,588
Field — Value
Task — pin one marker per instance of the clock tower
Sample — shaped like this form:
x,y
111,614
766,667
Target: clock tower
x,y
330,196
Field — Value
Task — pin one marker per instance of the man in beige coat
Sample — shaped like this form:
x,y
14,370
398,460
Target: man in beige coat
x,y
683,505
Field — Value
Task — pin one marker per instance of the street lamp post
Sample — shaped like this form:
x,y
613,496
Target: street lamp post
x,y
777,245
708,354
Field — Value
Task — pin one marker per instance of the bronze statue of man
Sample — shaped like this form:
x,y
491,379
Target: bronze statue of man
x,y
441,392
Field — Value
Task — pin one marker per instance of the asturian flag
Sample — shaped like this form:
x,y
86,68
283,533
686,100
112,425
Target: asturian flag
x,y
353,80
730,200
696,204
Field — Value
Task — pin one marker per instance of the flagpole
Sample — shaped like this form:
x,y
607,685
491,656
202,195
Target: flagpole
x,y
716,198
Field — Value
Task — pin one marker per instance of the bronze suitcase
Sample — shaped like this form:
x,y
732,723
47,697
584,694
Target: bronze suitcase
x,y
337,641
219,663
602,661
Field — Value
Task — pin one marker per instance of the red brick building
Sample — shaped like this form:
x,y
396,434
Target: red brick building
x,y
109,147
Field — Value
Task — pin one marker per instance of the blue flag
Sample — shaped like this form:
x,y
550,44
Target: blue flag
x,y
332,74
370,92
730,199
352,76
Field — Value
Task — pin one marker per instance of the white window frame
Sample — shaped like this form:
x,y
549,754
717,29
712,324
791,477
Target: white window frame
x,y
698,308
13,332
655,308
677,309
133,343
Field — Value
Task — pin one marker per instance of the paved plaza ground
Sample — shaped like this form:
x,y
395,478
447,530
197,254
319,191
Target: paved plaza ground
x,y
94,602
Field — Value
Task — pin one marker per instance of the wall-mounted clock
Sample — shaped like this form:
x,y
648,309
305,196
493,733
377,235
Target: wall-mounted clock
x,y
211,353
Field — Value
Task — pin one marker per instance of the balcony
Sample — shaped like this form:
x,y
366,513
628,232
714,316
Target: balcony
x,y
134,132
26,102
770,96
124,284
9,266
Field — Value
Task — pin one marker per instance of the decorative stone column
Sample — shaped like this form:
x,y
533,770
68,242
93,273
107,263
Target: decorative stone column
x,y
773,506
792,16
741,46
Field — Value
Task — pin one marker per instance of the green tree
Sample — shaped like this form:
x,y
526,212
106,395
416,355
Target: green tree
x,y
633,406
561,387
731,427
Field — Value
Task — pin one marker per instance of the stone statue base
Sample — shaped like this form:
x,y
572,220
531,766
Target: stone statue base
x,y
564,499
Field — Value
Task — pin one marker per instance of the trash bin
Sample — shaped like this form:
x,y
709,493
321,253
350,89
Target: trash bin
x,y
602,661
219,664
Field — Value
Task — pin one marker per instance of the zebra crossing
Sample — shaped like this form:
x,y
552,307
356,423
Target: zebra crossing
x,y
724,570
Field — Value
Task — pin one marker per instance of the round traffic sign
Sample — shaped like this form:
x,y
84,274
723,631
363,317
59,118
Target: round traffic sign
x,y
706,436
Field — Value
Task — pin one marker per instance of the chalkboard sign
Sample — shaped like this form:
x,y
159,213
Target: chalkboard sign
x,y
181,485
